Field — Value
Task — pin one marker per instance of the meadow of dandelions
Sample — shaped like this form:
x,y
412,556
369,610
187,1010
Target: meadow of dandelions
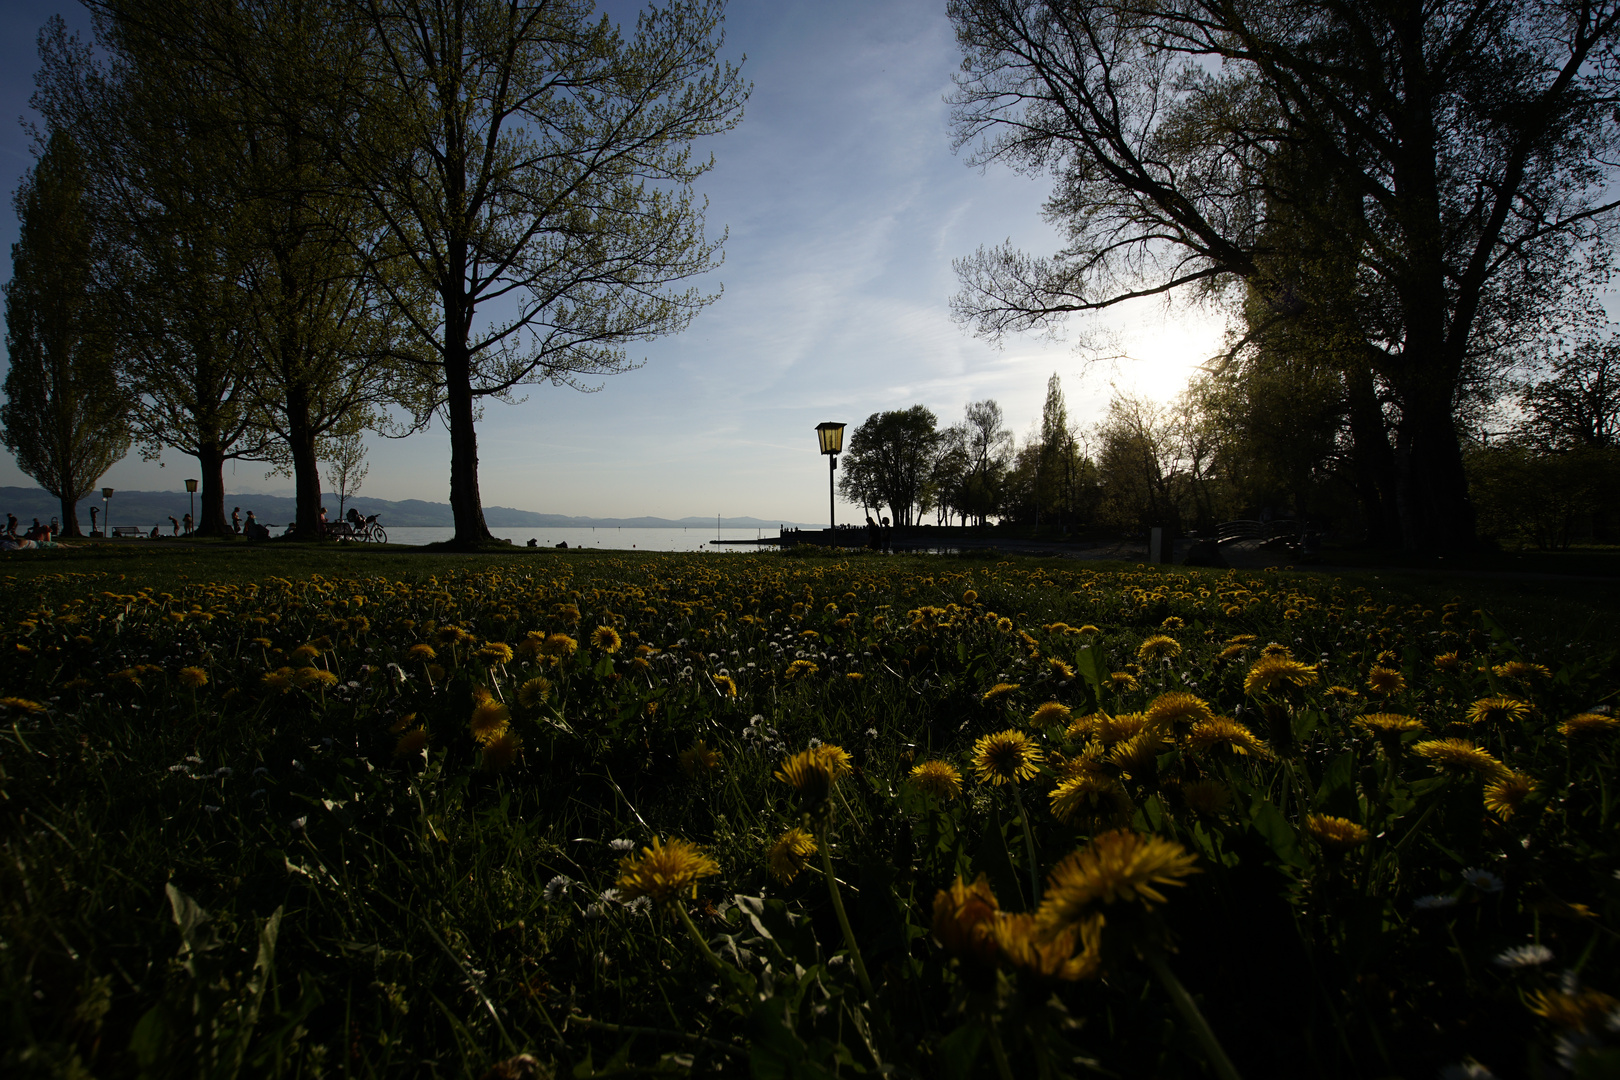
x,y
764,816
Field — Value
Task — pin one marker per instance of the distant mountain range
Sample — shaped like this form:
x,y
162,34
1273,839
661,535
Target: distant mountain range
x,y
148,508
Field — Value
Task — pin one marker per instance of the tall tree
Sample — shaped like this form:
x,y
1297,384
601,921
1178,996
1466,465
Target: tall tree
x,y
65,417
1467,138
172,242
889,461
533,171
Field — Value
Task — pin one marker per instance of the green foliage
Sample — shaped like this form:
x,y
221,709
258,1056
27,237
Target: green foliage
x,y
251,829
1543,498
889,461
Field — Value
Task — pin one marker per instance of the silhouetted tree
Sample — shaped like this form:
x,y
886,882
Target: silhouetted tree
x,y
65,417
889,460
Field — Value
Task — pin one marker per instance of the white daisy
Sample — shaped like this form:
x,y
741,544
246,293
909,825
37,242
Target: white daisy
x,y
1524,956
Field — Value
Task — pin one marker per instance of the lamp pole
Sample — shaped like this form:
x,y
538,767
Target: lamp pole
x,y
831,437
106,519
191,489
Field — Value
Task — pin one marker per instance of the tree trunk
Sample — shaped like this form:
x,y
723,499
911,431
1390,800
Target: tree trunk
x,y
70,515
1371,459
465,502
306,466
1432,488
211,516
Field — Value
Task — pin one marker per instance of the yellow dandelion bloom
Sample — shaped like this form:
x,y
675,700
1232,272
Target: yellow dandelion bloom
x,y
1004,624
306,652
1222,733
1116,867
1459,756
800,669
1341,693
1072,953
1081,727
495,652
560,646
1207,797
310,678
193,677
1116,729
937,778
23,704
699,759
997,692
606,638
812,772
1586,724
1123,681
1059,669
1272,673
1159,647
422,653
790,854
1449,663
1088,797
489,721
1137,756
1173,622
970,597
1385,682
1335,833
500,752
1178,707
1052,714
1006,758
1497,710
1277,649
1231,652
534,692
964,920
1088,631
411,742
1521,671
1580,1010
1505,794
725,684
664,871
278,681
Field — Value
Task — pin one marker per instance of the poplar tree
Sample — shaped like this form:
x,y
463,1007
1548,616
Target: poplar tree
x,y
66,416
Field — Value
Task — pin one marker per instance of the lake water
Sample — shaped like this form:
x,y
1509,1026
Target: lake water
x,y
601,539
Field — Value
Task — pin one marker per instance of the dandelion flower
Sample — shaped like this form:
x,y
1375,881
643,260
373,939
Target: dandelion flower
x,y
800,669
1116,867
699,759
937,778
314,677
193,677
422,653
1578,1010
1118,728
1088,631
24,705
1072,953
534,692
1521,957
1497,710
1006,757
664,871
1388,726
1385,682
1123,681
278,681
1220,732
411,742
1137,756
606,638
1587,724
489,721
997,692
725,684
1081,727
1159,647
1335,833
1052,714
791,852
964,918
1059,669
500,752
1341,693
1448,662
1178,707
1272,673
306,652
1459,756
560,646
811,772
1505,794
1088,797
495,652
1520,670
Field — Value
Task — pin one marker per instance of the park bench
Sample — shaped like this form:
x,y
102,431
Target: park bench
x,y
126,530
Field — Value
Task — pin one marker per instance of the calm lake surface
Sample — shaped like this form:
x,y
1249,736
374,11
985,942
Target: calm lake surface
x,y
601,539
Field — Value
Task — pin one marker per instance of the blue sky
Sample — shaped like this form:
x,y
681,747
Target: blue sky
x,y
845,206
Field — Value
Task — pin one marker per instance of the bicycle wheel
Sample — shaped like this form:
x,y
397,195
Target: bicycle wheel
x,y
379,535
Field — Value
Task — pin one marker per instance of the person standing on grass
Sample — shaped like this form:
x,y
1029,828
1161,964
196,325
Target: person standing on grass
x,y
236,520
92,521
11,524
174,524
188,523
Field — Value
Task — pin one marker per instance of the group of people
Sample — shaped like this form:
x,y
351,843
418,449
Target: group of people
x,y
36,535
877,533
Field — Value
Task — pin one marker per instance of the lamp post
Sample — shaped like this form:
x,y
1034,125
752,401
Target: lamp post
x,y
832,444
106,522
191,488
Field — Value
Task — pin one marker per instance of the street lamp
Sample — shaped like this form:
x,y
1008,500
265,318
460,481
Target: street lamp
x,y
191,488
106,522
832,444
